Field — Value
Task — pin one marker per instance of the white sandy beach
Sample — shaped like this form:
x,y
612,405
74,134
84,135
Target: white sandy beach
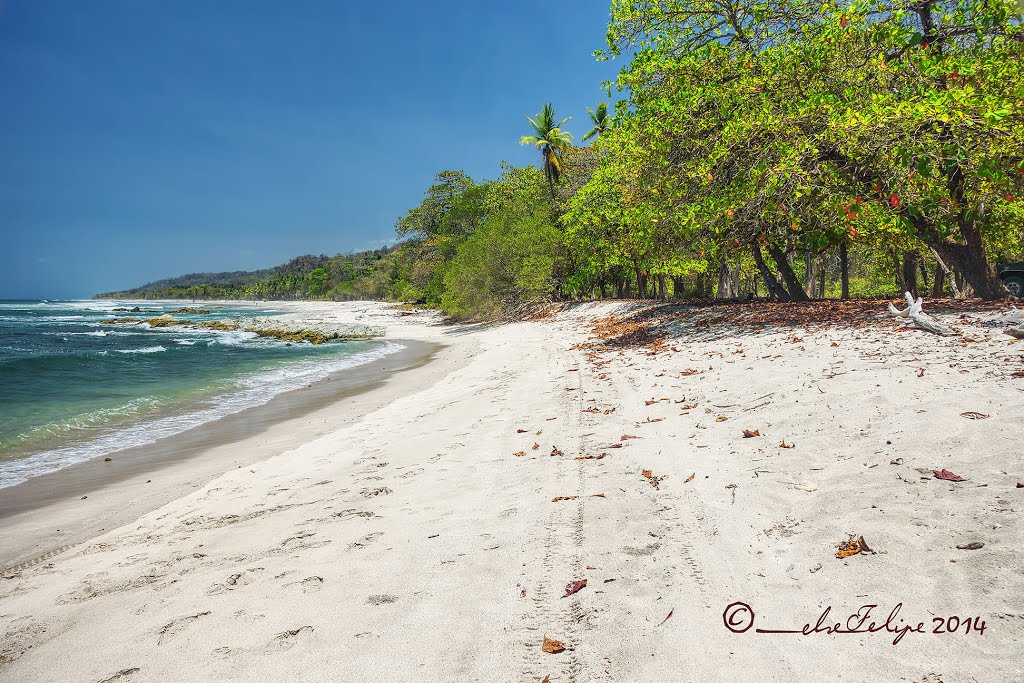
x,y
412,543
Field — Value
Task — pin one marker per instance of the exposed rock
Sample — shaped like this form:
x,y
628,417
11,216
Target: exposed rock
x,y
191,311
120,321
165,320
219,325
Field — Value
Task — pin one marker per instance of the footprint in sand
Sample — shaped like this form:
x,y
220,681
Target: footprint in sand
x,y
169,631
383,599
379,491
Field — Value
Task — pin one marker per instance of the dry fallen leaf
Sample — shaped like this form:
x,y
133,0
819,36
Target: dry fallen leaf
x,y
783,444
852,547
650,403
690,478
647,473
667,617
972,415
558,498
552,646
947,475
547,679
520,454
535,446
555,452
721,418
973,545
522,593
597,495
747,434
626,437
920,372
591,457
614,445
574,587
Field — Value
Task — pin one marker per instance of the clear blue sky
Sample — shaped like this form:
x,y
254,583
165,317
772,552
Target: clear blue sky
x,y
141,139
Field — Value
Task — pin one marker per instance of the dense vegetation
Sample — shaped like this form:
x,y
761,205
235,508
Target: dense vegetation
x,y
783,148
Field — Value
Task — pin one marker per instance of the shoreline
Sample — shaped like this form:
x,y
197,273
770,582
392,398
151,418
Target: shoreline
x,y
52,512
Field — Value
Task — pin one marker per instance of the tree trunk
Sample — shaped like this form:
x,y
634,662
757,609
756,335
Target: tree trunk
x,y
602,284
810,275
677,287
909,272
970,262
775,290
796,290
727,286
662,289
844,270
641,285
939,282
901,282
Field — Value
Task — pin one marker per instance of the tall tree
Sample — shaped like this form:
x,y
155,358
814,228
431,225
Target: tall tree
x,y
550,139
602,122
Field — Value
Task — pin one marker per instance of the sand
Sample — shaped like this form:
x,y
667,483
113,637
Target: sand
x,y
421,541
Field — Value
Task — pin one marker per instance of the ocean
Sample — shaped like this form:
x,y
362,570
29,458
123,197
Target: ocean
x,y
72,389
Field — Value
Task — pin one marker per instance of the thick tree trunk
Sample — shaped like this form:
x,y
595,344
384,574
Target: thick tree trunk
x,y
641,284
844,270
796,290
662,289
602,285
775,290
677,287
728,288
909,272
969,261
939,282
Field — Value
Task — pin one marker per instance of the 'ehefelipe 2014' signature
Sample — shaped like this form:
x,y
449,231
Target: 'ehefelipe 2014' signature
x,y
739,618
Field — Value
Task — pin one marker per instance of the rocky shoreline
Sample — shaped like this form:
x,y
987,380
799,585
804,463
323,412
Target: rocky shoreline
x,y
270,327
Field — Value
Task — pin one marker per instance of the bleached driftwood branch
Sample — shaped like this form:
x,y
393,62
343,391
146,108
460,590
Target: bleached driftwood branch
x,y
921,319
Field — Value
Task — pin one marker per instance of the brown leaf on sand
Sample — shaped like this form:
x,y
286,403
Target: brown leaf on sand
x,y
614,445
574,587
558,498
973,545
609,411
747,434
920,372
627,437
555,452
783,444
852,547
535,446
689,406
1019,373
947,475
650,403
521,431
667,617
647,473
519,454
552,646
591,457
690,478
547,679
597,495
721,418
1020,485
972,415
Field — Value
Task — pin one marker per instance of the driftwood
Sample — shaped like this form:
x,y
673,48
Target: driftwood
x,y
920,318
1017,332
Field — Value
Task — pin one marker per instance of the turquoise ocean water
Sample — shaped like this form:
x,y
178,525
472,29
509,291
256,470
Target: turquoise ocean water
x,y
72,389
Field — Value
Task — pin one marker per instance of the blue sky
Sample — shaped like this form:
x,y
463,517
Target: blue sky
x,y
141,139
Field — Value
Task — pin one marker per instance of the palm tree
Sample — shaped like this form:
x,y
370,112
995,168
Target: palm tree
x,y
602,122
549,138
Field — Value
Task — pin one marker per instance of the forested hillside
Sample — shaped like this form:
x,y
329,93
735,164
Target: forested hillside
x,y
785,150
